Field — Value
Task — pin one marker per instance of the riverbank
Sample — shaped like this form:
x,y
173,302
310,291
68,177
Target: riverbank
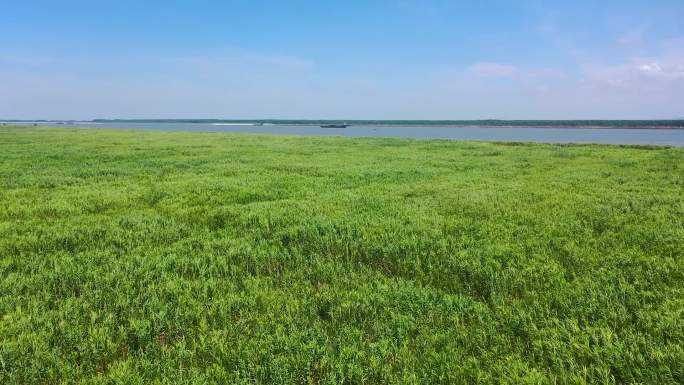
x,y
136,256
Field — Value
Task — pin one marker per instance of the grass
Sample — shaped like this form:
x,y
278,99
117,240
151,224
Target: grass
x,y
130,257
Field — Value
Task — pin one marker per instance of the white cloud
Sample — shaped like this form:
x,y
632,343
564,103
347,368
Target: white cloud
x,y
493,70
650,68
641,73
636,72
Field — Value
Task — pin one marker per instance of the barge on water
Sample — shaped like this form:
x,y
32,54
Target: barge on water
x,y
344,125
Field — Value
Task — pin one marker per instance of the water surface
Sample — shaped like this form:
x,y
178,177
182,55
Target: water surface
x,y
646,136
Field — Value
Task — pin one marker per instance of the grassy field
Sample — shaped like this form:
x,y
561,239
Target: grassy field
x,y
151,257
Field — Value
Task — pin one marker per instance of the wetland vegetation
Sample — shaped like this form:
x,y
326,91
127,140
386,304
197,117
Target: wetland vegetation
x,y
138,257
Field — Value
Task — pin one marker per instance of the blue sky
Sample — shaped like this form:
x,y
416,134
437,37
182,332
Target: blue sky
x,y
342,59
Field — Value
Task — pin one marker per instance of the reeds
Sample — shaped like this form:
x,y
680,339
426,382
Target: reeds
x,y
150,257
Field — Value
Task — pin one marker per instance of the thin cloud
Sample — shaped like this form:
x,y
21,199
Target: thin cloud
x,y
636,73
284,61
635,35
494,70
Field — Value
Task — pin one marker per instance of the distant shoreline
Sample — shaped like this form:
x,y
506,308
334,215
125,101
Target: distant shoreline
x,y
530,126
484,123
652,125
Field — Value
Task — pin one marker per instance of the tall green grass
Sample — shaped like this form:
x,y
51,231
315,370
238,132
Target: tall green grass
x,y
130,257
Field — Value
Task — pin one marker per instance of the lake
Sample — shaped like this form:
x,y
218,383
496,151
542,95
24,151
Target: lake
x,y
670,137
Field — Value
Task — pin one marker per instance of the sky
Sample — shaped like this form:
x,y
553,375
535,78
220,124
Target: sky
x,y
393,59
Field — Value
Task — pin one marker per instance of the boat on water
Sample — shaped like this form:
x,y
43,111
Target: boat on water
x,y
335,125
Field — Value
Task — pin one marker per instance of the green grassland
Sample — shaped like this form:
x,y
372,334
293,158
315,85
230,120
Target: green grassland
x,y
130,257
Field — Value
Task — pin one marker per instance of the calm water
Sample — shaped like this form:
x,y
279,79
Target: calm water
x,y
671,137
